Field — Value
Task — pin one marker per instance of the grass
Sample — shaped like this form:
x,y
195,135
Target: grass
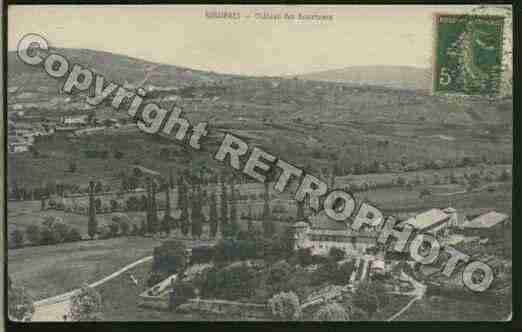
x,y
435,308
51,270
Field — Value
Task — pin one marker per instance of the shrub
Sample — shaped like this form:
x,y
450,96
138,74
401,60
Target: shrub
x,y
304,256
47,236
278,276
20,304
182,292
170,257
336,254
233,283
32,232
285,306
17,238
73,235
332,312
86,305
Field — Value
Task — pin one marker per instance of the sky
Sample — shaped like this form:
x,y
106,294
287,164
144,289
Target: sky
x,y
182,35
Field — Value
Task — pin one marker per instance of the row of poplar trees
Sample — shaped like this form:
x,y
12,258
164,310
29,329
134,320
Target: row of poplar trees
x,y
190,201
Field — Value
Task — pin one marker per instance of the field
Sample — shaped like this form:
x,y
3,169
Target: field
x,y
51,270
434,307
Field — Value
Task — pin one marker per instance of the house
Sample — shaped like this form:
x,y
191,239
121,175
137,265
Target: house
x,y
320,234
489,225
434,221
74,119
17,145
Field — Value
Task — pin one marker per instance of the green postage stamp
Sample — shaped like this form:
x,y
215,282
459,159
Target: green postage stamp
x,y
468,54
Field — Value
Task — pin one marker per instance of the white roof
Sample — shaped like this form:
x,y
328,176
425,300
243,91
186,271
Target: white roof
x,y
487,220
427,219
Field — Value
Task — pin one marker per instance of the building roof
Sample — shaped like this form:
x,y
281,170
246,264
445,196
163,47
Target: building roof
x,y
322,221
300,224
487,220
427,219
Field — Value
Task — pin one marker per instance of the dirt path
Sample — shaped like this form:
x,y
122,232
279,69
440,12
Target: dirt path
x,y
417,294
54,308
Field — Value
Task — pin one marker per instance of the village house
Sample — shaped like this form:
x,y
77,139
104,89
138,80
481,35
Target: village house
x,y
493,230
17,145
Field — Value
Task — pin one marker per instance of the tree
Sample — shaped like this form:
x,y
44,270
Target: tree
x,y
268,228
213,216
20,303
73,235
183,206
113,229
278,276
92,224
332,312
167,221
266,205
72,167
196,215
366,298
17,238
336,254
182,292
47,236
32,233
300,210
60,230
285,306
170,257
233,283
223,205
86,305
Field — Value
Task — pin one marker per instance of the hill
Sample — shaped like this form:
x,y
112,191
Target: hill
x,y
116,67
401,77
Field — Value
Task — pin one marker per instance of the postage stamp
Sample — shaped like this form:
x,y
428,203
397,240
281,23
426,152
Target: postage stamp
x,y
277,163
468,54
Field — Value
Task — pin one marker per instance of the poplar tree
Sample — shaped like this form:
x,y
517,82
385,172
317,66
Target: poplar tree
x,y
92,225
300,210
196,215
167,218
268,224
224,206
184,217
213,216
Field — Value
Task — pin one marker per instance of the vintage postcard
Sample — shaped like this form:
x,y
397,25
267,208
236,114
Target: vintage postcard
x,y
259,163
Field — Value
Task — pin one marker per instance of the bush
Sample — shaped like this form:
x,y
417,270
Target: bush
x,y
336,254
233,283
370,296
304,256
86,305
182,292
32,233
278,276
285,306
47,236
20,304
16,238
170,257
332,312
73,235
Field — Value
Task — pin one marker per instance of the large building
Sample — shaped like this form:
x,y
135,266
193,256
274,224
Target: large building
x,y
321,233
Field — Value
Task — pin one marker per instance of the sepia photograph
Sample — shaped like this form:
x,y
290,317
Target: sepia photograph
x,y
258,163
